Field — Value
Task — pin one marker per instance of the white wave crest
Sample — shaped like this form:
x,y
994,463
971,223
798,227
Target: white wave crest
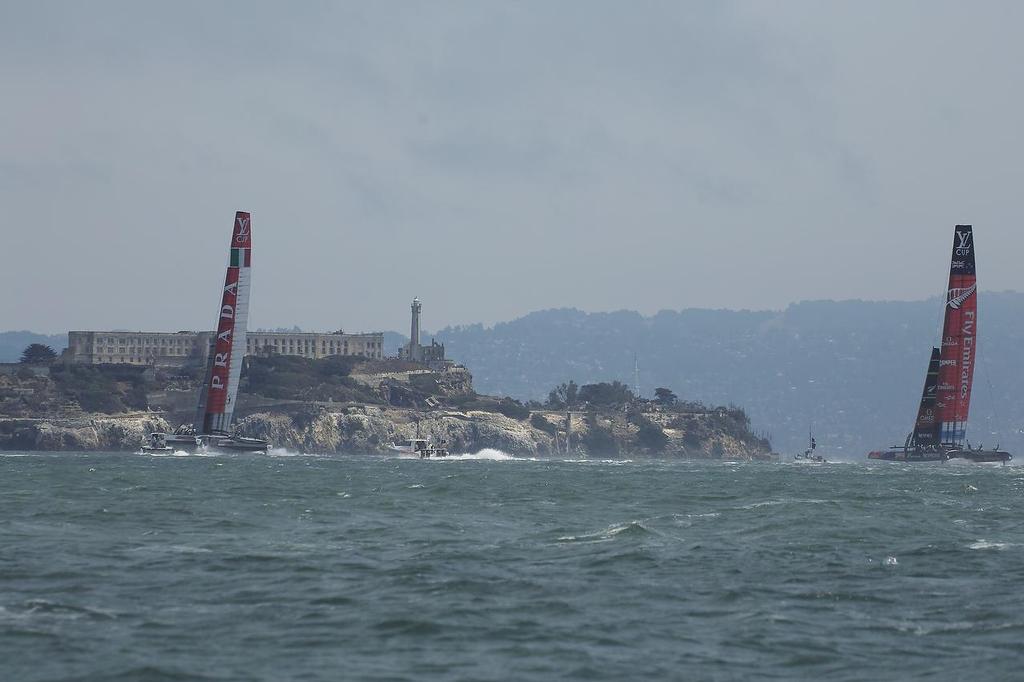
x,y
610,462
489,454
176,453
606,534
283,452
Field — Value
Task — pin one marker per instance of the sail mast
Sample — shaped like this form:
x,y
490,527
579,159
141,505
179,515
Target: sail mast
x,y
959,339
217,401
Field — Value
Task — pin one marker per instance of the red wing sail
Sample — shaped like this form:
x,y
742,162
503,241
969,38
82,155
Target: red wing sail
x,y
926,428
959,340
217,404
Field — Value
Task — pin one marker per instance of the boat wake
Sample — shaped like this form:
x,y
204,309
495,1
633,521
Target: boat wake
x,y
285,452
496,455
634,528
609,462
487,454
176,453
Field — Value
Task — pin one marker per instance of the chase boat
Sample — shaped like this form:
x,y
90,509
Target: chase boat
x,y
422,447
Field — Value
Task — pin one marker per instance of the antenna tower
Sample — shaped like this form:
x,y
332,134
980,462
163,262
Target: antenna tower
x,y
636,376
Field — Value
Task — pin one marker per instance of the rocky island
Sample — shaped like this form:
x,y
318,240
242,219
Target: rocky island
x,y
346,404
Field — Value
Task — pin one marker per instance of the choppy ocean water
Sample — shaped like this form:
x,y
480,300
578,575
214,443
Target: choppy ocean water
x,y
292,567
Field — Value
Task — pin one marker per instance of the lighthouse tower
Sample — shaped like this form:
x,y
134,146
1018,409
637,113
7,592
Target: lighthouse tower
x,y
415,350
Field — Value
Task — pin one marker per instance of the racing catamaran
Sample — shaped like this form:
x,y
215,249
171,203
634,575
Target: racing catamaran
x,y
212,428
940,432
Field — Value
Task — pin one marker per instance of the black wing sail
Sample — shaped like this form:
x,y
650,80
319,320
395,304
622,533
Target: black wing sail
x,y
927,426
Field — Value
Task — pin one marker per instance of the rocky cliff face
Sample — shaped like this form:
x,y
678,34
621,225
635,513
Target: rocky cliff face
x,y
99,432
372,429
352,405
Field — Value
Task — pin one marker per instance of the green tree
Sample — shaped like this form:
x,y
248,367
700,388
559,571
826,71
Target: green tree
x,y
539,422
38,354
563,396
651,436
665,396
599,440
605,394
512,408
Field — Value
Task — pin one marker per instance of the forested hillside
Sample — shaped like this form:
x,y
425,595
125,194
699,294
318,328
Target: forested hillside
x,y
852,368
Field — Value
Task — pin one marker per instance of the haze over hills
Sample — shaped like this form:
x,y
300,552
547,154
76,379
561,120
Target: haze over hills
x,y
13,343
853,369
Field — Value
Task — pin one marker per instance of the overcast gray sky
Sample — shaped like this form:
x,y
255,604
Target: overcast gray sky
x,y
497,158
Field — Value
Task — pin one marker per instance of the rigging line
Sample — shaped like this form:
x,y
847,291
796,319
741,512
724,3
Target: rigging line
x,y
946,272
943,302
991,399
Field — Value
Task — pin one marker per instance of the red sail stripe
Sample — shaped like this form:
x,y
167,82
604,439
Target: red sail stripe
x,y
216,412
959,335
217,386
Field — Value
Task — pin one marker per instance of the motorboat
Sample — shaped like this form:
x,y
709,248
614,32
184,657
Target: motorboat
x,y
421,447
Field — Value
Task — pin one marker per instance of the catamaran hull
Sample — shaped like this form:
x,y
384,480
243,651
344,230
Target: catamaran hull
x,y
234,444
977,456
907,456
164,443
148,450
210,444
981,456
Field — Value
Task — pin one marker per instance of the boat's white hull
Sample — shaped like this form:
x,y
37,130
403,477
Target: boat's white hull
x,y
423,453
170,443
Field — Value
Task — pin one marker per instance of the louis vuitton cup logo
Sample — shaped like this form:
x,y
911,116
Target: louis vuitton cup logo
x,y
243,230
956,297
963,246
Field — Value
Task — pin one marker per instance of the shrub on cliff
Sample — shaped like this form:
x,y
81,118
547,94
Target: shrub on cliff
x,y
99,400
665,396
563,396
513,409
538,422
651,436
733,421
102,388
692,440
606,394
599,440
289,377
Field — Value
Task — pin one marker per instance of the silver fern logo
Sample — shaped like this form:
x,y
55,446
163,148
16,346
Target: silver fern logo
x,y
958,296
